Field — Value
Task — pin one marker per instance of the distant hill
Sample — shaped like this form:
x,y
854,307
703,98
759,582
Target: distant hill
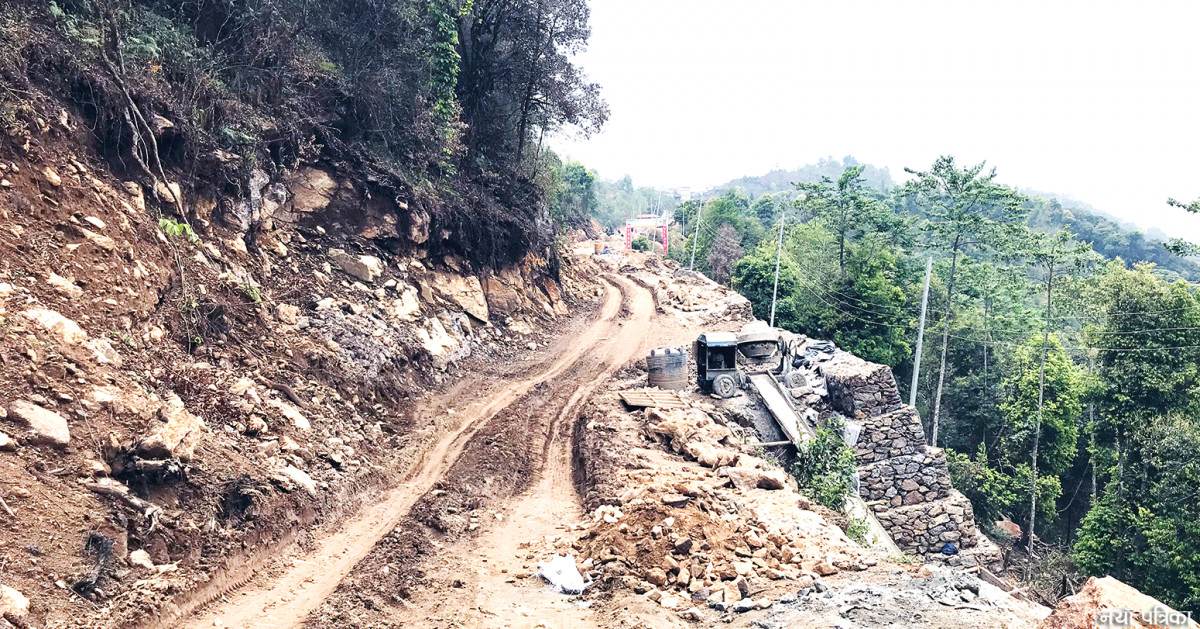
x,y
1109,236
780,180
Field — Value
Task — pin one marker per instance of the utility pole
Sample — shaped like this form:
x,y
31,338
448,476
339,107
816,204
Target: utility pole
x,y
912,393
696,234
778,257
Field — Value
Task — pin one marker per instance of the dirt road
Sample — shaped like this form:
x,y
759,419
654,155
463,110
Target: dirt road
x,y
482,574
286,594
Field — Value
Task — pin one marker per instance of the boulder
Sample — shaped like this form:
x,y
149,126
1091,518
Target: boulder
x,y
289,314
291,413
292,475
65,330
312,190
103,352
141,559
365,268
175,435
64,286
7,443
746,478
1108,597
44,426
168,192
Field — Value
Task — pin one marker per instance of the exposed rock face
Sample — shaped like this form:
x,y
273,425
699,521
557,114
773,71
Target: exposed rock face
x,y
175,435
502,299
1108,597
312,190
44,426
464,291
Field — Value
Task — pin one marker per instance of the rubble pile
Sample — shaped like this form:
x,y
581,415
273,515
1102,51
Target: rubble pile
x,y
931,598
904,481
688,295
714,526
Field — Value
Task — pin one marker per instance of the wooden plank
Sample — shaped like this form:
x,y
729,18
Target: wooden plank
x,y
652,398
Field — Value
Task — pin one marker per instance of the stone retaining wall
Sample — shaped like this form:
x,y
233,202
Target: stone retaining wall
x,y
927,526
906,480
859,389
893,434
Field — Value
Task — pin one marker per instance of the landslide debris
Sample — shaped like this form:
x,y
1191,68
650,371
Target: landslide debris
x,y
683,514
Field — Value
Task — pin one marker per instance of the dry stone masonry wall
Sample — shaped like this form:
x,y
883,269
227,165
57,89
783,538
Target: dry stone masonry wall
x,y
906,482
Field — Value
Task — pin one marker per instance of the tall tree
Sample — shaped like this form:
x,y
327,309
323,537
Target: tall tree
x,y
966,212
1054,255
848,207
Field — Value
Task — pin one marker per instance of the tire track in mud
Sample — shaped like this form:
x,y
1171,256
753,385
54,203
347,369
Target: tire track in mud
x,y
305,581
437,569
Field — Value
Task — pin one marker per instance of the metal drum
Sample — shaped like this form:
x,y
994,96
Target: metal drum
x,y
668,368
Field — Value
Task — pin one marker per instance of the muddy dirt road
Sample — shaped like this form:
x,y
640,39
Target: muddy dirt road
x,y
481,580
285,594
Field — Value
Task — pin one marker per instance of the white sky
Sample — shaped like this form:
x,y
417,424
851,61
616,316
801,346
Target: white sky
x,y
1098,100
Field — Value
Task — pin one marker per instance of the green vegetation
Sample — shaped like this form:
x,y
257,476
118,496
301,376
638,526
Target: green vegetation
x,y
825,468
1062,362
176,229
443,105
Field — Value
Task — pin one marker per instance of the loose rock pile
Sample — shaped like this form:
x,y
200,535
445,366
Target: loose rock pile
x,y
714,527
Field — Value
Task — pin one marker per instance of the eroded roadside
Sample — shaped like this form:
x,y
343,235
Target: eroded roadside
x,y
300,580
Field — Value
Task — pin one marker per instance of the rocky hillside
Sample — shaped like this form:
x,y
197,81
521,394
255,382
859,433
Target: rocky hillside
x,y
179,393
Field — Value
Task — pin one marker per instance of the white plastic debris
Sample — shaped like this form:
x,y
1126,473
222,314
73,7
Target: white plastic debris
x,y
562,574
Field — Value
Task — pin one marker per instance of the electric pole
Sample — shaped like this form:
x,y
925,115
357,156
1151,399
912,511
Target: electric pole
x,y
912,393
696,234
778,256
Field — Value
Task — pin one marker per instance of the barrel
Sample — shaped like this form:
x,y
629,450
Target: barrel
x,y
599,247
667,368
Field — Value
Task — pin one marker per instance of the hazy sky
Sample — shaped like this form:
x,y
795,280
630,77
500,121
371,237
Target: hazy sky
x,y
1098,100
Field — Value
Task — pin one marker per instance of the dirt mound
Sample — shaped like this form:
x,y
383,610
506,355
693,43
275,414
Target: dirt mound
x,y
690,519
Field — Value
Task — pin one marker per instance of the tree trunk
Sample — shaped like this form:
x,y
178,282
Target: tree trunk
x,y
937,397
1037,432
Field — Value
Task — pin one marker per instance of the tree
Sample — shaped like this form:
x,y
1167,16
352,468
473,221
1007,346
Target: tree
x,y
1053,255
726,250
516,78
966,212
1056,385
765,208
753,277
576,198
847,207
1150,533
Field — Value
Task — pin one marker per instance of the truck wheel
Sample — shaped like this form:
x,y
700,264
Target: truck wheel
x,y
724,386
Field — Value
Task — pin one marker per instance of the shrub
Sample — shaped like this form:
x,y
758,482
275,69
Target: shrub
x,y
641,243
825,467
